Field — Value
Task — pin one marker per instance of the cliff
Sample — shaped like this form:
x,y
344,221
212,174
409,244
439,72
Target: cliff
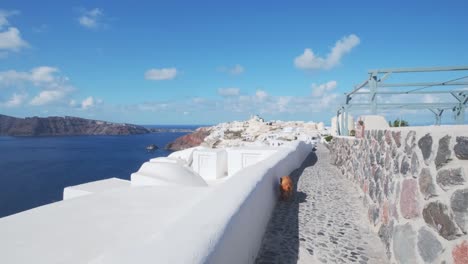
x,y
191,140
64,126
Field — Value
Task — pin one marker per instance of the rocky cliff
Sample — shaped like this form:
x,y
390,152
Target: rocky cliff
x,y
64,126
191,140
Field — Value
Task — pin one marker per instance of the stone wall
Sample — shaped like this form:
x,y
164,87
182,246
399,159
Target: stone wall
x,y
414,182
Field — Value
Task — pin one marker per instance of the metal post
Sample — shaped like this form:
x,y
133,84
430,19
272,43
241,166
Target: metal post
x,y
342,128
459,112
462,114
345,122
338,130
438,115
373,91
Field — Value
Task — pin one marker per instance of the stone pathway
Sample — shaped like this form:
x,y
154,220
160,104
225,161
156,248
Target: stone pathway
x,y
325,222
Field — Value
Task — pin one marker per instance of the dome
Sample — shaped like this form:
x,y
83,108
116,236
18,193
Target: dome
x,y
164,173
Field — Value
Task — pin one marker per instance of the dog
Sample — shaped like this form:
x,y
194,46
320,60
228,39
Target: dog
x,y
286,187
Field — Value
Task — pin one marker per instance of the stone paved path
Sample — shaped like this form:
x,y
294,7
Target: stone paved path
x,y
325,222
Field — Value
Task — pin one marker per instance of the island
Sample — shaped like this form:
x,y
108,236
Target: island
x,y
64,126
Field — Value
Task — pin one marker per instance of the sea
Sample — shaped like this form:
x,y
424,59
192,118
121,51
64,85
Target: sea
x,y
34,170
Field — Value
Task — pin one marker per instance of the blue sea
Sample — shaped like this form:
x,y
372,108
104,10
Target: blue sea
x,y
34,170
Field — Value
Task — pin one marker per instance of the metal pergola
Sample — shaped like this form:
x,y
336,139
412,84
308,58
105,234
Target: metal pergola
x,y
378,79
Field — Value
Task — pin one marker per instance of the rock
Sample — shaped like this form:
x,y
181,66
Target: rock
x,y
459,204
414,165
428,246
425,144
404,240
405,166
426,184
388,137
409,197
447,178
373,214
461,148
437,215
397,138
396,165
386,187
378,174
380,135
460,253
378,157
443,153
410,142
394,151
151,147
385,234
190,140
372,193
394,211
385,213
366,172
388,161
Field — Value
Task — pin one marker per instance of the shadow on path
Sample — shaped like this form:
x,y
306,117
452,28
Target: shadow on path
x,y
281,239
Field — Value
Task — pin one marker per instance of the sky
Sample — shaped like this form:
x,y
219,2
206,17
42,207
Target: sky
x,y
204,62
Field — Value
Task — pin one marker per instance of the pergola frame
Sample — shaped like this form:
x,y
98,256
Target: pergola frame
x,y
377,79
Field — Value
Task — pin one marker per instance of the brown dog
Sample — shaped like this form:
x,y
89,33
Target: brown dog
x,y
286,187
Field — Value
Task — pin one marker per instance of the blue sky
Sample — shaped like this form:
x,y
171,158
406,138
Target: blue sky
x,y
203,62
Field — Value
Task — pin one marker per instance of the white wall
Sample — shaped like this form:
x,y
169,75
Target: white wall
x,y
94,187
241,157
227,226
210,164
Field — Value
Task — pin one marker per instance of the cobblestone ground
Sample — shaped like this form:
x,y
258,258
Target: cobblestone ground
x,y
325,222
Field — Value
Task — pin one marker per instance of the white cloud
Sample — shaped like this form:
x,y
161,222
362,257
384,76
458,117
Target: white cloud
x,y
10,38
91,18
259,102
4,14
47,97
199,100
87,103
52,87
161,74
310,61
320,90
153,107
329,100
15,100
229,91
43,74
44,77
235,70
261,95
283,102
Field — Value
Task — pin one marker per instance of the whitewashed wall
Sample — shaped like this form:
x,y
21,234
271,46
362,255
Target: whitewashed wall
x,y
228,225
